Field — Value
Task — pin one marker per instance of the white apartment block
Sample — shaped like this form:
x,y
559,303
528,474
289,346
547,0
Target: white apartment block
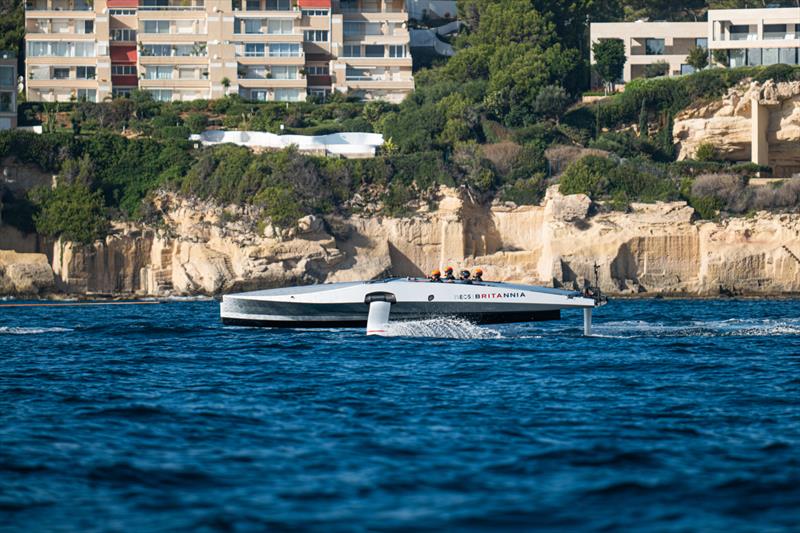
x,y
744,37
262,50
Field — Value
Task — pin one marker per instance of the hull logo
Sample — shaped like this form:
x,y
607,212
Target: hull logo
x,y
490,295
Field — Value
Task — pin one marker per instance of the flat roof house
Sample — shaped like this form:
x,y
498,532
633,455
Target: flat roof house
x,y
743,36
261,50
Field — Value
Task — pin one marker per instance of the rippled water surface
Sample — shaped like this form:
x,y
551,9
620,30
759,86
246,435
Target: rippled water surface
x,y
677,416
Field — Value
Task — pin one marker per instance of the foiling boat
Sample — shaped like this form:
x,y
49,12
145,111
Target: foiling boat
x,y
372,304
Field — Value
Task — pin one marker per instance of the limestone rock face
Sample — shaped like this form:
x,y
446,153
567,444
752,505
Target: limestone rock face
x,y
200,248
726,124
24,274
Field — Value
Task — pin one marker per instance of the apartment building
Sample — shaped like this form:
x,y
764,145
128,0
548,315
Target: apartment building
x,y
280,50
8,90
737,36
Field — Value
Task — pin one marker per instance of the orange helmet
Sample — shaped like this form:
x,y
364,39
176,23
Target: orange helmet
x,y
436,272
448,269
478,271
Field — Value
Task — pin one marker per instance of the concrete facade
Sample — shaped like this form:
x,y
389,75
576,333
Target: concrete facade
x,y
262,50
743,36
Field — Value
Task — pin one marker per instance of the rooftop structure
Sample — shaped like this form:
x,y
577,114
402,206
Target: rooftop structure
x,y
261,50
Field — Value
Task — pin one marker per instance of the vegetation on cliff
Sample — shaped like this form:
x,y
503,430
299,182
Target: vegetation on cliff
x,y
484,121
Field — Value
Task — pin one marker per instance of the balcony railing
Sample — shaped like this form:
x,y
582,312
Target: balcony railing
x,y
170,6
58,5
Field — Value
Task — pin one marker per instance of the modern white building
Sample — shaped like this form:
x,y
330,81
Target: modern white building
x,y
741,36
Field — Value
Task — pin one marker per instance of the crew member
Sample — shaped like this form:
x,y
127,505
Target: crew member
x,y
436,276
465,277
448,274
478,275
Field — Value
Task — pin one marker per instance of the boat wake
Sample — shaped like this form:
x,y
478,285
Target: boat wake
x,y
442,328
717,328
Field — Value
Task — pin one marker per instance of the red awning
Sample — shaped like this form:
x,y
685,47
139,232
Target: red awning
x,y
123,53
123,3
315,3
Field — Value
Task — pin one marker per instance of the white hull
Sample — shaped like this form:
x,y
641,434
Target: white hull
x,y
356,304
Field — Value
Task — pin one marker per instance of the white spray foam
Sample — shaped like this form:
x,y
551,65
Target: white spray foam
x,y
31,331
699,328
442,328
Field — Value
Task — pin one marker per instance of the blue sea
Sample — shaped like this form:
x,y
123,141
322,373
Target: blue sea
x,y
676,416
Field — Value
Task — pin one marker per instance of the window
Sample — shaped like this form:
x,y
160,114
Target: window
x,y
121,12
352,28
123,35
687,69
374,50
357,74
320,93
7,77
754,57
287,95
253,5
85,73
279,5
770,56
6,99
775,31
156,50
316,36
186,50
161,95
60,73
318,70
737,57
258,95
86,95
284,72
84,26
397,50
701,42
280,26
741,33
315,12
159,73
789,56
156,26
284,49
351,50
654,47
252,25
121,92
123,70
60,49
254,49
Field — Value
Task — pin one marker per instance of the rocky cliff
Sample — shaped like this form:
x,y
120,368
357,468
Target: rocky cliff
x,y
656,249
726,124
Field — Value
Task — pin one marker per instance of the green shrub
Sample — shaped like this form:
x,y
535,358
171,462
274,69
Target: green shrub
x,y
589,175
524,191
705,152
280,205
197,122
72,212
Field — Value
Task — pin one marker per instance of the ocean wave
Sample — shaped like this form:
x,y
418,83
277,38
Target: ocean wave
x,y
10,330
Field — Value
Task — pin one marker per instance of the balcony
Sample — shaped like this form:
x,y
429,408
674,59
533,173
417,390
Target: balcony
x,y
172,5
58,5
372,6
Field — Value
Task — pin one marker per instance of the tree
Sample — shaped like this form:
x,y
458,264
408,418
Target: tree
x,y
697,58
720,57
657,69
551,102
71,211
609,58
